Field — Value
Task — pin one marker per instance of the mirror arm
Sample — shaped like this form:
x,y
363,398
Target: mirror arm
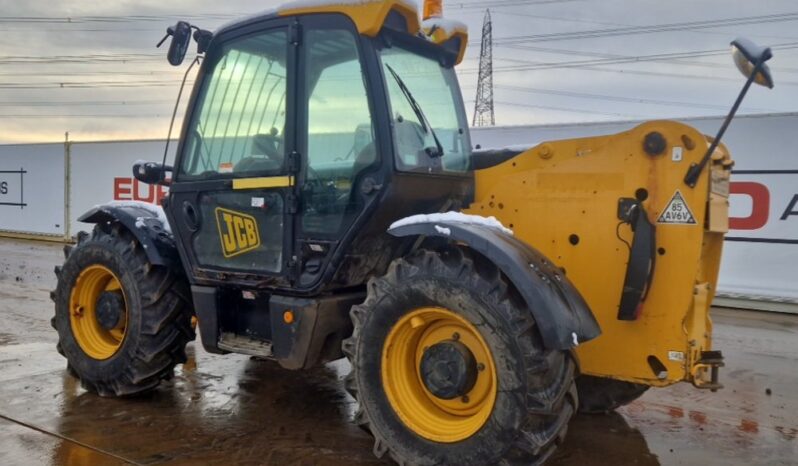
x,y
169,31
694,172
174,115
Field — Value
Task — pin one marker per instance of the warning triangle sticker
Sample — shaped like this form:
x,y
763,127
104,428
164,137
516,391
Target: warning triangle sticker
x,y
677,212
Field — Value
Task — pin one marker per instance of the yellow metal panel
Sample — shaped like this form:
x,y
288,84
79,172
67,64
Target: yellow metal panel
x,y
441,35
368,17
562,198
265,182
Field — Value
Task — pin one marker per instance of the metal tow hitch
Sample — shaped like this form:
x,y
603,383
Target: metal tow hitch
x,y
710,361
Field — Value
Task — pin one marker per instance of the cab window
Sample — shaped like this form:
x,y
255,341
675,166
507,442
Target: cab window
x,y
239,122
340,133
434,88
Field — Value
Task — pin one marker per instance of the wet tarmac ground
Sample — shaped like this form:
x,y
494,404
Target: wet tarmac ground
x,y
234,410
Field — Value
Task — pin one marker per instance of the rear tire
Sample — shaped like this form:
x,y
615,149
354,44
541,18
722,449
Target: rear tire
x,y
142,349
536,395
601,395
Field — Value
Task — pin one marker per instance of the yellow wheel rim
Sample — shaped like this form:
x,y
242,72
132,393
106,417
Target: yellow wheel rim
x,y
95,340
436,419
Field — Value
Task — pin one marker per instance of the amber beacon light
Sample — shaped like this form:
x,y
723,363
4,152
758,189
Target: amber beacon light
x,y
433,9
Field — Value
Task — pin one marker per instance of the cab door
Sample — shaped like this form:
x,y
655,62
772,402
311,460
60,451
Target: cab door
x,y
341,170
233,196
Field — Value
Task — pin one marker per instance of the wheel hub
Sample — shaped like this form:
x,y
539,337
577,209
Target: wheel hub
x,y
97,312
448,369
110,308
438,374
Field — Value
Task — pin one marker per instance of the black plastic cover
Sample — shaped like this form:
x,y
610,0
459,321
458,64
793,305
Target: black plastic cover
x,y
159,244
562,315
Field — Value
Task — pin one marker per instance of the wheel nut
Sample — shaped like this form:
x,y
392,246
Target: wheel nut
x,y
78,312
455,336
480,367
464,399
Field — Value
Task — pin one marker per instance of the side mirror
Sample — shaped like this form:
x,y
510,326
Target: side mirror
x,y
151,172
181,38
750,58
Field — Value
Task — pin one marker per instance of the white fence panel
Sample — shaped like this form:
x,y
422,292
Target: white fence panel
x,y
32,189
761,253
103,171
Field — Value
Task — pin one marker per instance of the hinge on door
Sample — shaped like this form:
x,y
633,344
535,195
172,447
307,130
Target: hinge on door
x,y
293,162
291,203
295,34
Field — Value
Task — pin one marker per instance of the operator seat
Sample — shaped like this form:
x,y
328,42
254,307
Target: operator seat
x,y
266,155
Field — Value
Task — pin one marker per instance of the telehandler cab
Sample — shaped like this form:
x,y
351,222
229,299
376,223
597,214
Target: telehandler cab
x,y
325,201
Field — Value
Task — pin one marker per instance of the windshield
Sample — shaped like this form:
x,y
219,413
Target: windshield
x,y
435,89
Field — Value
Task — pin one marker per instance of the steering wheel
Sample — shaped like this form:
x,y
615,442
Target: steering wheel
x,y
266,154
269,145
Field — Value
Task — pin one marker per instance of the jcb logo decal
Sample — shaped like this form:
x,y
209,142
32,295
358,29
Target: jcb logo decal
x,y
238,232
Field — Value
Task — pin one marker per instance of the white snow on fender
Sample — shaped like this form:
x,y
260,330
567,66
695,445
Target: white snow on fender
x,y
452,217
155,210
510,148
443,230
448,26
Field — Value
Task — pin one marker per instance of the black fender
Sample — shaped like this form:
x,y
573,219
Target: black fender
x,y
562,315
143,223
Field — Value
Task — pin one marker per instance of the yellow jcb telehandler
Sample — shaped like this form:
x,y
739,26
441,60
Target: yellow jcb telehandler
x,y
325,201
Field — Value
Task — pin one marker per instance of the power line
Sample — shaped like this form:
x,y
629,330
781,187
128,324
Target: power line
x,y
129,115
622,31
671,75
88,85
629,59
517,13
79,59
35,74
83,19
81,103
558,51
111,19
624,99
480,4
570,110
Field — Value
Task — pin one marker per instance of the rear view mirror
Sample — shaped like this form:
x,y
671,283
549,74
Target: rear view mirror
x,y
750,58
181,38
151,172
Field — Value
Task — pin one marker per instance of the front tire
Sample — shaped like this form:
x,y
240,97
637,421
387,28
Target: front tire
x,y
122,322
515,412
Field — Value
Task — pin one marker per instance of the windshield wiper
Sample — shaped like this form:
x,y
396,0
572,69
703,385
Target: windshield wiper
x,y
422,118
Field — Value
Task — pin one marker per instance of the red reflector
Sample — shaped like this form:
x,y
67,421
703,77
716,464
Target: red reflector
x,y
639,310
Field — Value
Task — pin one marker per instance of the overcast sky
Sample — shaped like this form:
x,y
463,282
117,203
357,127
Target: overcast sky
x,y
90,67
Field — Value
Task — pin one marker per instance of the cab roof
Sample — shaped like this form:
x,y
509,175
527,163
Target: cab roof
x,y
369,17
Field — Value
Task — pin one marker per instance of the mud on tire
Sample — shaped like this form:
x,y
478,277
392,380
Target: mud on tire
x,y
158,312
536,395
600,395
